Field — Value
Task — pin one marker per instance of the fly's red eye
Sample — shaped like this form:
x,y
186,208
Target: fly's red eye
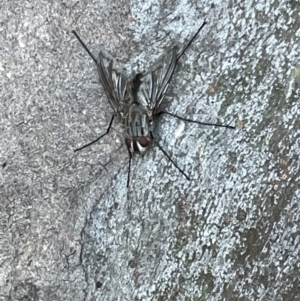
x,y
128,142
143,141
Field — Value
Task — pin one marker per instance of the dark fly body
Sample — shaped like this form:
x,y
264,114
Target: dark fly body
x,y
136,102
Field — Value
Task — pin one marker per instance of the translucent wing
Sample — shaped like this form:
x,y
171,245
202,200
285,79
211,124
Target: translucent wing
x,y
114,84
154,84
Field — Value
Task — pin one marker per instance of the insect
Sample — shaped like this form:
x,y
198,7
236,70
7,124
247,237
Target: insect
x,y
137,102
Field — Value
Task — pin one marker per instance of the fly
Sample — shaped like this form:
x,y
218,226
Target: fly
x,y
136,102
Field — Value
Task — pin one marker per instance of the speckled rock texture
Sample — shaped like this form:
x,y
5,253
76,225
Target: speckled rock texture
x,y
69,227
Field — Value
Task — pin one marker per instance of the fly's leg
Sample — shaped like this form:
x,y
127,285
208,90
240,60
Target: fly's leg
x,y
129,166
194,121
184,49
107,131
85,47
166,154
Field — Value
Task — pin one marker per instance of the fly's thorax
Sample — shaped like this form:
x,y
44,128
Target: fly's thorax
x,y
138,128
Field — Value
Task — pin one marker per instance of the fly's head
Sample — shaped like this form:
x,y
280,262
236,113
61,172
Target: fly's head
x,y
138,128
138,144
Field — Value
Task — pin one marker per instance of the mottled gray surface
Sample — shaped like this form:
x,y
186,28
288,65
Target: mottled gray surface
x,y
70,230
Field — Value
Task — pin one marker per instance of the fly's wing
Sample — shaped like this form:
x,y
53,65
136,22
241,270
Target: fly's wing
x,y
114,84
154,84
